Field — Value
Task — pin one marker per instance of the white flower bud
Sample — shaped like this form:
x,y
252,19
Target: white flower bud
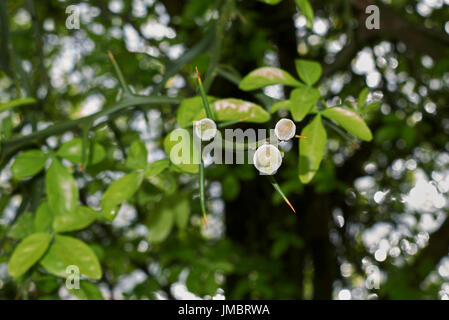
x,y
267,159
285,129
205,129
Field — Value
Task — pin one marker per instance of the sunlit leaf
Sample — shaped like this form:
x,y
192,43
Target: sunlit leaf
x,y
350,121
362,97
235,109
72,150
164,181
75,252
28,163
137,155
43,218
118,192
272,2
309,71
87,291
267,76
62,191
79,219
23,227
311,149
27,253
281,105
192,109
160,223
302,100
156,167
307,11
53,263
181,213
182,151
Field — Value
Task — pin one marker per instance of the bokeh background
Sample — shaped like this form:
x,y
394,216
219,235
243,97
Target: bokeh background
x,y
371,225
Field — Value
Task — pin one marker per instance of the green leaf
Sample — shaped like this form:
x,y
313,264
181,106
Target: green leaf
x,y
16,103
62,192
387,133
23,227
362,98
160,223
137,155
53,263
181,212
182,151
235,109
27,253
350,121
6,127
309,71
281,105
307,11
302,100
156,167
43,218
79,219
87,291
231,187
311,149
272,2
191,109
118,192
370,108
267,76
164,181
155,174
75,252
72,150
28,163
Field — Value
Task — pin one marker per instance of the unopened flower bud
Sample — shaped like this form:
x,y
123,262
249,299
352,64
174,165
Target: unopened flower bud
x,y
285,129
267,159
205,129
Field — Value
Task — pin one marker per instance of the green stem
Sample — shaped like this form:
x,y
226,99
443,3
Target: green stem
x,y
85,144
204,97
174,67
219,38
9,147
17,103
202,190
119,74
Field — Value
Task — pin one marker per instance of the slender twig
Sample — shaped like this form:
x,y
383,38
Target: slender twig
x,y
278,189
10,147
219,38
202,191
204,97
119,74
